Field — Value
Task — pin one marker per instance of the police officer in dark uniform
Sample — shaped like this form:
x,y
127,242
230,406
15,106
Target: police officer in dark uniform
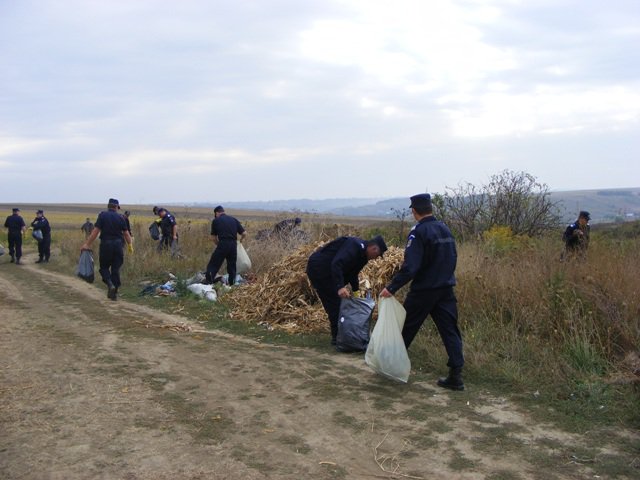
x,y
430,259
16,228
337,264
224,231
44,246
113,232
169,230
87,227
576,236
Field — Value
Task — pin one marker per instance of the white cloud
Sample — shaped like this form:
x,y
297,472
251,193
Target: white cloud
x,y
291,92
153,163
547,109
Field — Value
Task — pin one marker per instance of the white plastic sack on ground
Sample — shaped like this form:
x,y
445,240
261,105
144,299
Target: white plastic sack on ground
x,y
198,277
243,264
386,352
205,291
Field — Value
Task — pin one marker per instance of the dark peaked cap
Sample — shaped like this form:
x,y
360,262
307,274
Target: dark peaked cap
x,y
422,200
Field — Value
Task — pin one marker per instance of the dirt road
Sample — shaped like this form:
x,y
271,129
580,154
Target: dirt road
x,y
89,392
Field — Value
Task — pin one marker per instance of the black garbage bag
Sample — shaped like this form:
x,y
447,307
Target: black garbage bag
x,y
353,324
85,266
154,231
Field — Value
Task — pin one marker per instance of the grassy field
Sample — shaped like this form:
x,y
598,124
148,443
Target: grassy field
x,y
561,336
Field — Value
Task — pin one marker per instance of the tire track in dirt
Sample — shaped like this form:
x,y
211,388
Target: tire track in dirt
x,y
88,392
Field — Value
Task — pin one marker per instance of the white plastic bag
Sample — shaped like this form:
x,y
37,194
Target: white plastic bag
x,y
243,264
205,291
386,353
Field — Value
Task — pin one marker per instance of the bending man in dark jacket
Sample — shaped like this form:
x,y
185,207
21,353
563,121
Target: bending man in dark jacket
x,y
337,264
430,259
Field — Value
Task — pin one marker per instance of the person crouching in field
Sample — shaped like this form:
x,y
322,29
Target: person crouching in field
x,y
430,259
337,264
224,233
113,232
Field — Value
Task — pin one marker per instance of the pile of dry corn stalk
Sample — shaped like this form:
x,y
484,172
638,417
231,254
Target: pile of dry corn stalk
x,y
284,298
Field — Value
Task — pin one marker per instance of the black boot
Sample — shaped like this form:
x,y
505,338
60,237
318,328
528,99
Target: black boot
x,y
39,260
13,259
111,293
453,381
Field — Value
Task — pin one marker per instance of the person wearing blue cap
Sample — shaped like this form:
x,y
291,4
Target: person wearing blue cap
x,y
336,264
113,232
224,233
44,246
430,259
576,236
169,229
15,230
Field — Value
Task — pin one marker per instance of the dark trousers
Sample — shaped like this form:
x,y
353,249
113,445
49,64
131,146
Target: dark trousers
x,y
225,250
15,244
111,259
168,243
442,305
44,248
330,301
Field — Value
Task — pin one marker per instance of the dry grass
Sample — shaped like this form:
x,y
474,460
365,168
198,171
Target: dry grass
x,y
524,313
284,298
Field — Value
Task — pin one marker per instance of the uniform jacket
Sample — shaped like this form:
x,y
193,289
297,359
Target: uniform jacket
x,y
14,223
430,258
166,224
42,224
339,262
226,227
111,225
574,241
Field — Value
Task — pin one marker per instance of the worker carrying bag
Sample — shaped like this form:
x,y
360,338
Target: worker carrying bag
x,y
353,324
85,266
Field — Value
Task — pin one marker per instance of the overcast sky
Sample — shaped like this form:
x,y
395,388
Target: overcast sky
x,y
212,100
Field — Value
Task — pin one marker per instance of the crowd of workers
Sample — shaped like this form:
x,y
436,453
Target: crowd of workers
x,y
430,259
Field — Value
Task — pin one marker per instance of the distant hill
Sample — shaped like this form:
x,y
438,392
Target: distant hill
x,y
605,205
300,204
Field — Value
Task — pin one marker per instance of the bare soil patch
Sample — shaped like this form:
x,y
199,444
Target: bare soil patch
x,y
92,389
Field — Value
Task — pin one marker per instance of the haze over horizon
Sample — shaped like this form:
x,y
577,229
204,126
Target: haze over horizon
x,y
209,101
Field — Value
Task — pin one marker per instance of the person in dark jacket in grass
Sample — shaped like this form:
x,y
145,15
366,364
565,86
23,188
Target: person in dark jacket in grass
x,y
337,264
